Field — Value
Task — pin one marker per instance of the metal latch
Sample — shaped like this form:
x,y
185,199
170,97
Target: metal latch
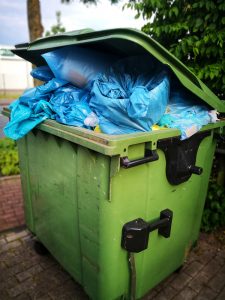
x,y
135,234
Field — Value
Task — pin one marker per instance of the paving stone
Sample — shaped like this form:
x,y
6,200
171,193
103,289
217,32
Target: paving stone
x,y
206,294
159,287
10,282
2,266
2,242
221,295
180,281
25,275
168,280
220,259
47,281
193,268
43,287
198,281
206,257
45,297
10,246
27,272
222,269
150,295
68,291
211,268
218,282
16,235
13,270
21,288
4,295
23,296
48,263
186,294
160,296
167,293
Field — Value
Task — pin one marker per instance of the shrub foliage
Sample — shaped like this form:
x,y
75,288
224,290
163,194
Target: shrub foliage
x,y
9,162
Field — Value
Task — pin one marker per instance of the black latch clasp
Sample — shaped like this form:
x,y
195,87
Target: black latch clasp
x,y
135,234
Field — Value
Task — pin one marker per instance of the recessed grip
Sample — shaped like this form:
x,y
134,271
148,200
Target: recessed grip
x,y
150,155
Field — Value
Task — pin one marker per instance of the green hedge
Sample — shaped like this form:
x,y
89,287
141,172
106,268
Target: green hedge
x,y
214,210
9,161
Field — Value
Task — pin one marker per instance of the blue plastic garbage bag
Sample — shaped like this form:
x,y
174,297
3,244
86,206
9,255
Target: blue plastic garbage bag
x,y
22,120
44,92
71,108
185,114
77,65
42,73
56,100
128,102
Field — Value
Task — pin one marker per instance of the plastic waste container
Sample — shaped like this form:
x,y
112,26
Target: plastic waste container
x,y
120,213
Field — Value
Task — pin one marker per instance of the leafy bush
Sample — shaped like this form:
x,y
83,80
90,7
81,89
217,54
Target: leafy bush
x,y
214,211
194,31
9,161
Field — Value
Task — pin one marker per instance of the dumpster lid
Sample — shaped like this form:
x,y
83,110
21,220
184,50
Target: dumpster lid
x,y
124,42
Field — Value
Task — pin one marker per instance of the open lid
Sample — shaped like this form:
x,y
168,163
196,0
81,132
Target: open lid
x,y
123,42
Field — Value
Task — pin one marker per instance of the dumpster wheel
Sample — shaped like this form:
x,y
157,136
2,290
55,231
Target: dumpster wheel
x,y
40,248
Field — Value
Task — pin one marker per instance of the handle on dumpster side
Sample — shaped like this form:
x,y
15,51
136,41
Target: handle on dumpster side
x,y
150,155
135,234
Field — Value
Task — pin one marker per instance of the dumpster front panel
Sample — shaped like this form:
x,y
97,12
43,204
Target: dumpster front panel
x,y
78,197
52,169
78,201
144,192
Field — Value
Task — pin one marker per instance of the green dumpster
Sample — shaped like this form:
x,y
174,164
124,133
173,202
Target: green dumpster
x,y
120,213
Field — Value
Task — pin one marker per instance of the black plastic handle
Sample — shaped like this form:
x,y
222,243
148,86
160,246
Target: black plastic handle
x,y
135,234
150,155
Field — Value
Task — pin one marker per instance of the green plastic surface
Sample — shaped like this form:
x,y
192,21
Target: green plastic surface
x,y
77,201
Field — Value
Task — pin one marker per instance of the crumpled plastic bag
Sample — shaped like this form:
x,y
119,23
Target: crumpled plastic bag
x,y
42,73
130,102
132,96
184,114
55,100
71,108
77,65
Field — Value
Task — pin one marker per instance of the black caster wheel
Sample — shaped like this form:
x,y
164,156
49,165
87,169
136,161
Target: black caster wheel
x,y
40,248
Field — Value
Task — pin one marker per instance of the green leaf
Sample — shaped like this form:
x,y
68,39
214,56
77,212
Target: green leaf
x,y
193,31
176,11
9,161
